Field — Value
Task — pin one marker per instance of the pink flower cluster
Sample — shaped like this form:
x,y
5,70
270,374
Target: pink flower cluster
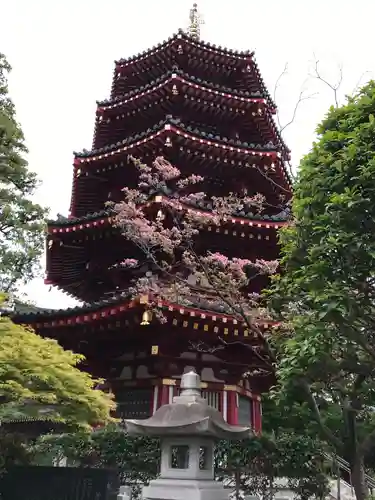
x,y
165,169
266,266
130,263
193,198
189,181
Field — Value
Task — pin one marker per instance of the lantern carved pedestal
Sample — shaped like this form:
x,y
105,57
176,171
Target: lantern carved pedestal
x,y
188,428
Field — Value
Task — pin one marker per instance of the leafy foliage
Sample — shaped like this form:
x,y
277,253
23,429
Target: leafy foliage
x,y
135,458
326,294
21,220
37,372
257,461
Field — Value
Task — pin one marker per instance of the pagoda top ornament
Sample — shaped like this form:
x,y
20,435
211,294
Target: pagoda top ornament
x,y
196,20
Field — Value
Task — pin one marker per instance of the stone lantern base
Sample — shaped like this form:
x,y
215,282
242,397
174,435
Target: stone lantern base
x,y
184,489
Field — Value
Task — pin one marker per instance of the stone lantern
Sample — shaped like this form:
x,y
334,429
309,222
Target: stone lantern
x,y
188,429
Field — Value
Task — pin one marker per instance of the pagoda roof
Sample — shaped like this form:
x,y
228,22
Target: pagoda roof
x,y
193,81
215,50
105,217
84,221
177,75
120,303
181,35
176,126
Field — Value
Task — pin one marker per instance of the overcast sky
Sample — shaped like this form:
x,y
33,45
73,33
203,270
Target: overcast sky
x,y
63,53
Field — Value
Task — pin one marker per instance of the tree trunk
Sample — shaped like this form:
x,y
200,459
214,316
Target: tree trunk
x,y
358,478
237,476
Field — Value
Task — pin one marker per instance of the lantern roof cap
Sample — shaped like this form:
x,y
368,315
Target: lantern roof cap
x,y
188,415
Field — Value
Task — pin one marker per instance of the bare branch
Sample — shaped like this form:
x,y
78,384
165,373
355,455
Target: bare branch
x,y
277,85
334,87
359,82
271,180
252,349
301,98
201,346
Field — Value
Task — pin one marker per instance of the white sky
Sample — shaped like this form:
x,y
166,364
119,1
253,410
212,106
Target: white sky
x,y
63,53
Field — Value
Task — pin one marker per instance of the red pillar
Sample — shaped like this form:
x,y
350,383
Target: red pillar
x,y
163,395
232,408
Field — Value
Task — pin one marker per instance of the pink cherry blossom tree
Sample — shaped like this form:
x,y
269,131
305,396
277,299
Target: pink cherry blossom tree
x,y
159,218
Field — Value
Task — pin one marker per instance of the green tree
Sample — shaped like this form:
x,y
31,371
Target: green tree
x,y
252,465
37,373
21,220
136,459
325,296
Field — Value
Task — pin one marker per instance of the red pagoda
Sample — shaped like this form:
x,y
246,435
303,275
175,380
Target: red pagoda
x,y
206,109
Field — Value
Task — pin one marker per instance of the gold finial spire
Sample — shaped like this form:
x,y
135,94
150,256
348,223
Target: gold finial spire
x,y
195,21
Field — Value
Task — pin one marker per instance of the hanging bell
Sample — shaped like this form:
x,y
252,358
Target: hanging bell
x,y
50,244
146,316
160,215
168,142
174,90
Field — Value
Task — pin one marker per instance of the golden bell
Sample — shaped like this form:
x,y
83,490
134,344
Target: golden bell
x,y
146,316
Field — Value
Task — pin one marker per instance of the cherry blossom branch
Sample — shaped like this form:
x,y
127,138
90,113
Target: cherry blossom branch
x,y
168,242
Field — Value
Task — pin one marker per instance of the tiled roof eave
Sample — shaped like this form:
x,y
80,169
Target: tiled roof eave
x,y
177,74
92,220
181,35
112,307
175,125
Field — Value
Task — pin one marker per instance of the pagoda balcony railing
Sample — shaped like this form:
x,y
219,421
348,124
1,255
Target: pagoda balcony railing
x,y
213,398
142,403
138,403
